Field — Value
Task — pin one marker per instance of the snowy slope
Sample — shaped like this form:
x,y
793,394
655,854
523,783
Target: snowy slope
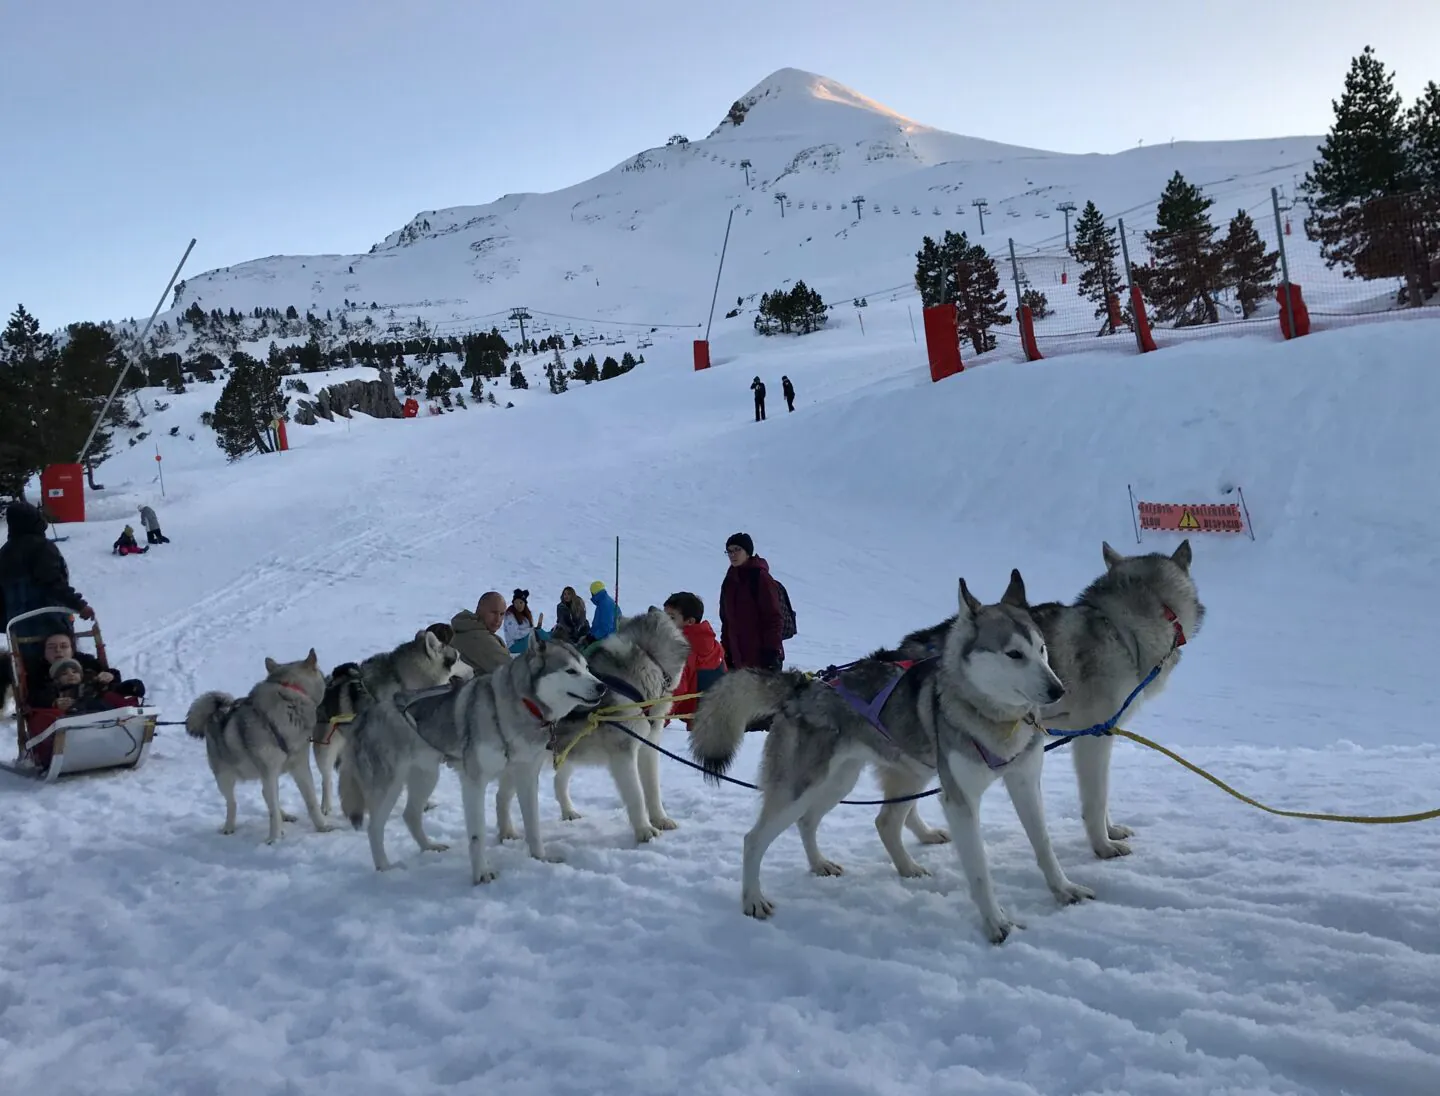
x,y
638,245
1234,952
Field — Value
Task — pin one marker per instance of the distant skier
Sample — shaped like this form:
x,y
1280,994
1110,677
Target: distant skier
x,y
126,545
152,526
789,391
758,387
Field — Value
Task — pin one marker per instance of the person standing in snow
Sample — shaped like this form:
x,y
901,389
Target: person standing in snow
x,y
758,387
33,575
705,664
152,526
607,613
750,620
788,390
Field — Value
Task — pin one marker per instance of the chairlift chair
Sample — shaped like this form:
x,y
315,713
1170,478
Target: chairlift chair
x,y
52,743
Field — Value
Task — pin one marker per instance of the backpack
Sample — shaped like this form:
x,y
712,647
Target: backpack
x,y
787,612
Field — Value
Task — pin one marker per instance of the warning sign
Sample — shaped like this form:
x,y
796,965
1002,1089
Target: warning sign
x,y
1184,517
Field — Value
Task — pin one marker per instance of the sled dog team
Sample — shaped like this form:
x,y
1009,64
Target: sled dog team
x,y
966,702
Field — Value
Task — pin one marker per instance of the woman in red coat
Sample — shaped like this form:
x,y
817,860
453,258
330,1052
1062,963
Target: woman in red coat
x,y
750,610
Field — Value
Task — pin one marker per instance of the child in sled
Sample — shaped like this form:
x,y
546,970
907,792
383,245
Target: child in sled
x,y
126,545
706,664
70,692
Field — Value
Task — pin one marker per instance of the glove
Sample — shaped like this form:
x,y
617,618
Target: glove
x,y
87,613
771,661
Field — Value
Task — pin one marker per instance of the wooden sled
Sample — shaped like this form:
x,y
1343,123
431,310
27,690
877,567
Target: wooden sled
x,y
52,744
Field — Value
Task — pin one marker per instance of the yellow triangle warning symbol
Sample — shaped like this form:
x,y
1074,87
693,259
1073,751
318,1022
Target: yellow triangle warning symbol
x,y
1187,521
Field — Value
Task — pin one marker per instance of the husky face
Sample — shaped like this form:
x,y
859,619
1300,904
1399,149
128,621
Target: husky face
x,y
1165,576
560,679
304,675
424,661
1003,652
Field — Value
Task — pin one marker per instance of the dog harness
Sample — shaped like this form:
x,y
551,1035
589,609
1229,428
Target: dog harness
x,y
1175,623
869,709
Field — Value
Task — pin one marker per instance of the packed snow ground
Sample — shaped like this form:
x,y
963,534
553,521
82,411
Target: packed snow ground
x,y
1233,952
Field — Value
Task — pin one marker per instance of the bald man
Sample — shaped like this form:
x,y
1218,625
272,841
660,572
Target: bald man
x,y
477,634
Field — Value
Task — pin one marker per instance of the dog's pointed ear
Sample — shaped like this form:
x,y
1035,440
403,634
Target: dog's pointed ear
x,y
969,603
271,665
1015,592
312,660
1182,555
1112,557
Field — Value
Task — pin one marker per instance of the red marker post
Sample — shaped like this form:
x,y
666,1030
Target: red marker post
x,y
160,470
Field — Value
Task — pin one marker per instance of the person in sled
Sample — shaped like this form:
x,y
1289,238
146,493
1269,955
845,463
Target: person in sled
x,y
126,544
70,690
519,624
571,624
60,647
33,575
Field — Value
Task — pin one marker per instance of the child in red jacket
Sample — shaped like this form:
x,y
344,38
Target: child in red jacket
x,y
707,659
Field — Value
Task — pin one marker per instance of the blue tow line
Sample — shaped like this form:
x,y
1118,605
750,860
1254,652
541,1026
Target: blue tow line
x,y
1108,727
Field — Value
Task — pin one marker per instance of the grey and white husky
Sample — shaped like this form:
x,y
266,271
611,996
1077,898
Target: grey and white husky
x,y
1133,618
641,660
264,734
966,715
417,663
498,725
379,750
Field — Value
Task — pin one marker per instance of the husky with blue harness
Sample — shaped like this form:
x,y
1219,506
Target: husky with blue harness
x,y
1114,648
965,715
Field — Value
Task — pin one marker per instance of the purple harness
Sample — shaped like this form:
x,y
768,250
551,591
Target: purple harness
x,y
871,709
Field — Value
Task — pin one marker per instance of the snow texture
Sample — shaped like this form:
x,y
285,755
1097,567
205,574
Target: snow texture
x,y
1233,952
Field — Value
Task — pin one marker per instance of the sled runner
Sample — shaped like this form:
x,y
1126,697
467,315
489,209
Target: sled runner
x,y
52,743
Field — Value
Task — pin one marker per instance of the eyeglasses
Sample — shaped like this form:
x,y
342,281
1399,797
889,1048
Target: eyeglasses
x,y
733,549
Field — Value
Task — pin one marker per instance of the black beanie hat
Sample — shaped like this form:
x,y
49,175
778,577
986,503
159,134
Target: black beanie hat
x,y
742,541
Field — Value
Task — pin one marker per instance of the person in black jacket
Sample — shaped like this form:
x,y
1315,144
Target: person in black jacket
x,y
33,575
789,390
758,387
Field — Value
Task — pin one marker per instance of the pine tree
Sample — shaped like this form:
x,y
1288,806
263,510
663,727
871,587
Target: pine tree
x,y
979,300
1422,138
517,376
592,370
250,401
435,385
555,371
1037,302
27,387
934,276
1363,160
609,369
1096,251
1249,269
477,389
627,362
1185,274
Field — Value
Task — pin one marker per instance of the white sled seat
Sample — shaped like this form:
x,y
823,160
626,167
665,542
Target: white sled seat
x,y
116,738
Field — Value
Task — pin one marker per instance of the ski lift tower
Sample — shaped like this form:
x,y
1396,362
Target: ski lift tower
x,y
982,205
520,315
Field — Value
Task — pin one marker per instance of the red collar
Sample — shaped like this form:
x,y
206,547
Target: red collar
x,y
1175,622
534,709
294,688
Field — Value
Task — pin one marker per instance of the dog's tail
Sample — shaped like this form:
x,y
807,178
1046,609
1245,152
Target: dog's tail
x,y
352,792
207,708
728,707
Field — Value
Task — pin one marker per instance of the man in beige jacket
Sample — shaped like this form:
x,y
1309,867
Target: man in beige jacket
x,y
477,634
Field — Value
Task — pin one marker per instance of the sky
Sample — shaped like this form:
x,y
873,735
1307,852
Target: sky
x,y
315,126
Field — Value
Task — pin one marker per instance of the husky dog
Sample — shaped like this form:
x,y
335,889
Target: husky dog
x,y
262,735
344,696
966,714
641,660
1133,618
376,748
500,723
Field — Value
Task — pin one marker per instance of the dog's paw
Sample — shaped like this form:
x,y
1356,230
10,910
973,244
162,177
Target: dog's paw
x,y
286,816
912,870
325,809
227,829
509,833
999,928
757,906
935,837
645,834
826,867
1068,893
1118,833
548,858
429,806
436,846
1109,850
665,822
570,815
481,878
325,827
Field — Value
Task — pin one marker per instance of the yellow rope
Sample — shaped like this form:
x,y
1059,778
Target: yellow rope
x,y
1369,820
601,715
